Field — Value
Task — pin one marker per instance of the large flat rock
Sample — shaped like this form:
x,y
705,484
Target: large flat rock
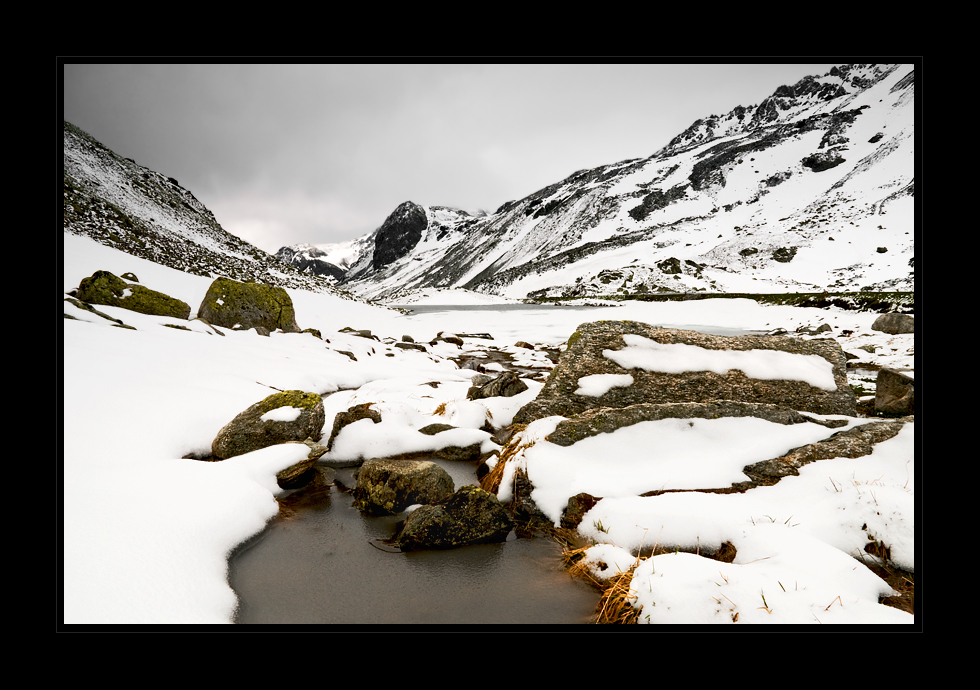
x,y
622,363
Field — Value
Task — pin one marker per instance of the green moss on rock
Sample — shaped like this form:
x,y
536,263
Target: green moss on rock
x,y
231,304
102,287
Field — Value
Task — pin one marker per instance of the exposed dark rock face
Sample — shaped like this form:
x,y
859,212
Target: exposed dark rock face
x,y
308,261
399,234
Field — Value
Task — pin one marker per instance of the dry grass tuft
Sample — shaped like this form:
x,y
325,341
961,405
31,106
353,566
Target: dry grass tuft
x,y
616,603
491,481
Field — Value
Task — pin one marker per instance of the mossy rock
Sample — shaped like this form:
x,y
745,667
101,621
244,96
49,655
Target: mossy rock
x,y
388,486
242,306
103,287
470,516
249,431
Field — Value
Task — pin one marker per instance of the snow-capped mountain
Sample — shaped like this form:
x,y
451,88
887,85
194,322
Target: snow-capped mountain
x,y
810,190
124,205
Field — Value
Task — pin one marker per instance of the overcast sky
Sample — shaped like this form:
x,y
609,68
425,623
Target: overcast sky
x,y
283,154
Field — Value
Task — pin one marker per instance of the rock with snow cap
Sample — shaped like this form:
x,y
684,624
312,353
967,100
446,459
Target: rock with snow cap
x,y
279,418
667,365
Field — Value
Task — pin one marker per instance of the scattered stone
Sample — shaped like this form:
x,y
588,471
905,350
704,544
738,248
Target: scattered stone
x,y
525,345
784,254
386,486
281,417
364,333
443,337
895,393
586,356
231,304
411,346
894,323
102,287
507,385
470,516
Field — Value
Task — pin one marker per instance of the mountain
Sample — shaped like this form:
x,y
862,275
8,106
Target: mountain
x,y
124,205
310,259
810,190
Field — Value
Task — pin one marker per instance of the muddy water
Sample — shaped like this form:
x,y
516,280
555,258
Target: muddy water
x,y
329,564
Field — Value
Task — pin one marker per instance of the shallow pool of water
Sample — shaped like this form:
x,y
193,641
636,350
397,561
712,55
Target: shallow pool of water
x,y
330,564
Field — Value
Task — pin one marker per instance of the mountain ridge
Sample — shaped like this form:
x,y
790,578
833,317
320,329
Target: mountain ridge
x,y
750,191
121,204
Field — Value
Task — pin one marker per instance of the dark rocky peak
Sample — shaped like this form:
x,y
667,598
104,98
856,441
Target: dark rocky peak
x,y
399,234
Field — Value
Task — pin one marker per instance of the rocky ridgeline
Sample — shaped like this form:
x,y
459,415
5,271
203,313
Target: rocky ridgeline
x,y
602,382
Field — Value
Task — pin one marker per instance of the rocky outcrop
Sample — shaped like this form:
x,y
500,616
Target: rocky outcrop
x,y
102,287
666,365
281,417
242,306
399,234
386,486
307,259
470,516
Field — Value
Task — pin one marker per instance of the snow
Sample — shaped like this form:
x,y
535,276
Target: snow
x,y
147,531
677,358
597,385
282,414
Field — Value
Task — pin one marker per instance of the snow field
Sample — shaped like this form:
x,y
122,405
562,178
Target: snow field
x,y
146,532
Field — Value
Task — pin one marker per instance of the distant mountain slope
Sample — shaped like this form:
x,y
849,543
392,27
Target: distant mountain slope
x,y
124,205
812,189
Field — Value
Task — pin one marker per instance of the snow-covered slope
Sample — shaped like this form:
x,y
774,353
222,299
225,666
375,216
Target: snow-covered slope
x,y
123,205
810,190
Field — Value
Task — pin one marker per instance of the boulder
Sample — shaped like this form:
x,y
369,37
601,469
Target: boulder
x,y
628,363
507,385
241,306
894,393
470,516
282,417
894,324
105,288
386,486
351,415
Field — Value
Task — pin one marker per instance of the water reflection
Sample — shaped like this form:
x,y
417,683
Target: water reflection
x,y
329,564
